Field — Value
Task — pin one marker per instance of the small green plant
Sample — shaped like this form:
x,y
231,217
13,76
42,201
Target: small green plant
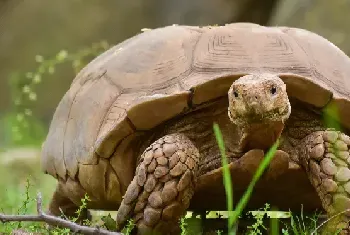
x,y
82,207
109,222
75,219
258,226
129,227
301,224
21,126
183,226
25,206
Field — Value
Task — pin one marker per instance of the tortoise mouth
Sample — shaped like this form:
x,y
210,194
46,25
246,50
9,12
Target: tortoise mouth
x,y
251,117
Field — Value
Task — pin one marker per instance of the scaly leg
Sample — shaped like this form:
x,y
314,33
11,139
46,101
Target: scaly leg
x,y
163,186
325,156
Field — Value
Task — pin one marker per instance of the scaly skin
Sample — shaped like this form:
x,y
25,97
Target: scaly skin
x,y
163,185
326,159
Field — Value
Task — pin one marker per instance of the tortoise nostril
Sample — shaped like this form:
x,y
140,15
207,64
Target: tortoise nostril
x,y
256,97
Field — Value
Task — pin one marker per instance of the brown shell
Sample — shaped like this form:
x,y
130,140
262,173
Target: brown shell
x,y
158,74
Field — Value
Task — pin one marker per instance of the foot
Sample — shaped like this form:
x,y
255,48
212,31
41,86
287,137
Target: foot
x,y
163,186
325,156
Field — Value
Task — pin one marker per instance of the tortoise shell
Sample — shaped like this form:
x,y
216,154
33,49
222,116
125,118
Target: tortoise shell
x,y
161,73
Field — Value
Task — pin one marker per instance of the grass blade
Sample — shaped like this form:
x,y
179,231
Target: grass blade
x,y
226,178
331,117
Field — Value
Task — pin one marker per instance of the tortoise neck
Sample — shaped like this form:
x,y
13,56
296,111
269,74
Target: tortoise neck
x,y
261,135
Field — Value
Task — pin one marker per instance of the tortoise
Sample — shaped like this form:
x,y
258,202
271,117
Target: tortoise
x,y
135,129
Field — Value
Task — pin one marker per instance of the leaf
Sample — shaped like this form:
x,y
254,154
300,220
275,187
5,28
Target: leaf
x,y
109,222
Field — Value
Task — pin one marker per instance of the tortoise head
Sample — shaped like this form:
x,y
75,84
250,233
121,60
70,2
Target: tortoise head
x,y
257,99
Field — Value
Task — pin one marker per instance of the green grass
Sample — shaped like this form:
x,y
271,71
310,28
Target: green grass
x,y
21,180
227,177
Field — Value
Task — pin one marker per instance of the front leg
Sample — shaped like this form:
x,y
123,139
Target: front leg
x,y
325,156
163,185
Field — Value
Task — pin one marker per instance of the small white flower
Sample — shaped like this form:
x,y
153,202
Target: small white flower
x,y
37,78
32,96
26,89
20,117
28,112
39,58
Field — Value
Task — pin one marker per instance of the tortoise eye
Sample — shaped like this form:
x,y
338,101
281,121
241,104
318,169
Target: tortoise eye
x,y
273,90
235,94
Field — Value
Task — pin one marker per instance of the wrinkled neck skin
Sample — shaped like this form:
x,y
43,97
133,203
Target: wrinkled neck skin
x,y
260,135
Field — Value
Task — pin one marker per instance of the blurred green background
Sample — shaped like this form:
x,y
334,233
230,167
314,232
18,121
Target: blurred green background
x,y
39,27
43,44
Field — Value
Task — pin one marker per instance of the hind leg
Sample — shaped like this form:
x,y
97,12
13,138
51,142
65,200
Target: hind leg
x,y
163,185
325,156
62,204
